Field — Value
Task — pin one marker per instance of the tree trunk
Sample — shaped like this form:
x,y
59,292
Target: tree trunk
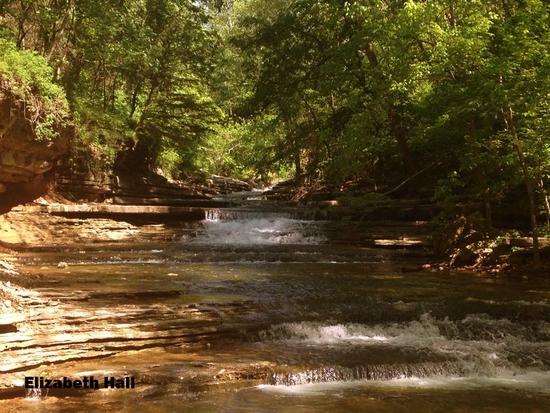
x,y
546,202
396,129
511,126
394,117
297,161
488,209
533,216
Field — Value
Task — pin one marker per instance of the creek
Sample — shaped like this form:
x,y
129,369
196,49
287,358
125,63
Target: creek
x,y
259,309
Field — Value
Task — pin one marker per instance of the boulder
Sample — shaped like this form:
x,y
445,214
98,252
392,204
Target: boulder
x,y
463,257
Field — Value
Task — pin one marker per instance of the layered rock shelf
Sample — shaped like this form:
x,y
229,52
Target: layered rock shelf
x,y
26,162
117,211
150,189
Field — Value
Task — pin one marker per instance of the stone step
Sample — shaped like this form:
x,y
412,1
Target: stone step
x,y
206,203
400,243
119,211
526,242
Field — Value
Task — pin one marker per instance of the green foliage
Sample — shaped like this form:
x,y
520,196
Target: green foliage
x,y
327,90
28,77
380,89
28,73
171,163
247,149
545,230
133,71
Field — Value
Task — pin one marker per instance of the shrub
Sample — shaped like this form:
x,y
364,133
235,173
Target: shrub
x,y
28,77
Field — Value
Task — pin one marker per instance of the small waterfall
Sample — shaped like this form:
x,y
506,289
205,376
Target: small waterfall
x,y
475,330
243,214
366,372
476,346
256,227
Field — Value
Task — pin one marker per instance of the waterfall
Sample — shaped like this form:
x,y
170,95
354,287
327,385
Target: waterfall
x,y
256,227
364,372
476,346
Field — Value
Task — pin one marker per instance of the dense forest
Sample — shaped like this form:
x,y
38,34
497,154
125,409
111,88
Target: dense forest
x,y
453,93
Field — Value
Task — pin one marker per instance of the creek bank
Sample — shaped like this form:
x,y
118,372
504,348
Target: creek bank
x,y
147,188
133,209
49,223
465,246
28,160
14,287
462,242
25,228
93,207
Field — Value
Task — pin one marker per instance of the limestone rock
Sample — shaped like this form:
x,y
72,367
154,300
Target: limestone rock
x,y
26,162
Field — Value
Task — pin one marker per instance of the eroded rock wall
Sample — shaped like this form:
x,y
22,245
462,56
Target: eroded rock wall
x,y
26,163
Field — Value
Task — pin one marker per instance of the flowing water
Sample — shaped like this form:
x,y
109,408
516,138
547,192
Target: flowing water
x,y
257,309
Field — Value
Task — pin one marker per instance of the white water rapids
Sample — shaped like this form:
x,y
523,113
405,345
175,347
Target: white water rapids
x,y
474,351
257,228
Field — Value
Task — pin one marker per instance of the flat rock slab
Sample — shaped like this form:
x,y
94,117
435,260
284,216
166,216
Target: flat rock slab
x,y
128,200
119,211
526,242
399,243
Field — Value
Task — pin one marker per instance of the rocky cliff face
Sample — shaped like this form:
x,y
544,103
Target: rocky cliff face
x,y
145,188
26,163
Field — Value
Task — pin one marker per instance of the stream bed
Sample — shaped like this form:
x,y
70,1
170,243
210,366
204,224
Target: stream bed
x,y
256,310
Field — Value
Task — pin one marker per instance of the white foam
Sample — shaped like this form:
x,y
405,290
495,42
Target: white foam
x,y
328,334
534,381
259,231
481,343
415,332
540,303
